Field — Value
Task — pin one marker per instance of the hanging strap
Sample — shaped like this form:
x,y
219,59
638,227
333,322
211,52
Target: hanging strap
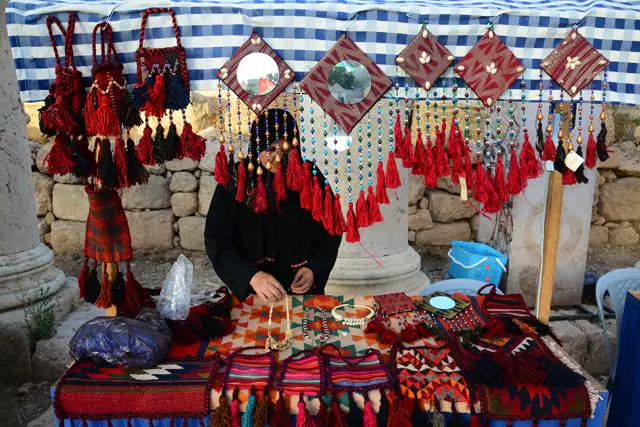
x,y
159,10
107,48
54,20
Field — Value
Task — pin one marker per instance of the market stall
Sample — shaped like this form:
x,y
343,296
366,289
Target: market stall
x,y
376,91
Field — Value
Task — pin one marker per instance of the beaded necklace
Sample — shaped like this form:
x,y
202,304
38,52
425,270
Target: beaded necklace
x,y
271,343
309,314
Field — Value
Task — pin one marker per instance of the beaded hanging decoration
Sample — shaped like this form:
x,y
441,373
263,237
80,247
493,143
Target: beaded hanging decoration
x,y
430,174
601,146
309,316
419,158
591,156
381,186
163,84
273,344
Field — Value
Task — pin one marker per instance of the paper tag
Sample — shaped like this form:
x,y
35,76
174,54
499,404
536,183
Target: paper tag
x,y
548,166
463,189
573,160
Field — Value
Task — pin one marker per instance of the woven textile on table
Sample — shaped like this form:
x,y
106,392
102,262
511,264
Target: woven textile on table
x,y
394,303
430,375
246,371
107,237
179,389
358,373
303,373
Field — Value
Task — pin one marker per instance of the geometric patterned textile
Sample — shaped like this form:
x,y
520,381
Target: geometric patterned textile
x,y
394,303
179,389
361,373
303,373
107,237
430,375
246,371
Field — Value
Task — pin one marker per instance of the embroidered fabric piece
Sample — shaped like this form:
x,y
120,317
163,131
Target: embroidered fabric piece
x,y
358,373
395,303
431,375
303,375
246,371
450,313
511,305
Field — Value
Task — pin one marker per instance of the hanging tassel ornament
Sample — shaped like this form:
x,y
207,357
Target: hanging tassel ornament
x,y
362,211
132,295
530,166
306,192
549,149
241,182
601,145
221,416
481,192
261,414
400,149
278,184
558,163
375,215
579,173
369,416
159,143
294,170
420,160
177,96
247,416
280,416
514,176
592,155
136,173
172,141
327,212
431,175
104,299
392,175
144,150
236,419
106,168
339,226
353,236
381,185
441,161
323,418
338,418
407,146
221,171
105,120
120,163
493,204
398,414
501,185
157,96
303,418
316,211
59,160
260,203
192,145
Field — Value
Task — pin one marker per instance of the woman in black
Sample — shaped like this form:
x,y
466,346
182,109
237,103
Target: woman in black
x,y
276,252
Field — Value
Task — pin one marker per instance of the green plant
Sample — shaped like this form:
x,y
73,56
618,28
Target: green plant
x,y
39,316
636,121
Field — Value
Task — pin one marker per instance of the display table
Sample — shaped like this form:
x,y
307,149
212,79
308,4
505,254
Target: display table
x,y
251,319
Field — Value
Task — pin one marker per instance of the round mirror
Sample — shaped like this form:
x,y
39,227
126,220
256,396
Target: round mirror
x,y
258,73
442,302
349,81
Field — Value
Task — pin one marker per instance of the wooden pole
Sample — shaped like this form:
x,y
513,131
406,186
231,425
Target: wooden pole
x,y
552,225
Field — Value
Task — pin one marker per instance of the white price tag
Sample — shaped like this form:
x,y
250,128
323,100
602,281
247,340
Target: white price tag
x,y
573,160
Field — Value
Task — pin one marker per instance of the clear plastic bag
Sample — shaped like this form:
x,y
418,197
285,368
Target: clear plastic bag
x,y
174,301
137,343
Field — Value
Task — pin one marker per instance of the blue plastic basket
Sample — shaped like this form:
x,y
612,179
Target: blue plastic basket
x,y
472,260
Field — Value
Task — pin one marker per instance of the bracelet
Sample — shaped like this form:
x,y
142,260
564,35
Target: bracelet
x,y
352,321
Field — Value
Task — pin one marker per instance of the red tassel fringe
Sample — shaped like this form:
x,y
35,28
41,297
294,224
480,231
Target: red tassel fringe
x,y
353,235
400,150
500,182
339,226
120,163
514,181
569,177
144,150
241,183
430,174
407,160
59,160
393,177
157,93
294,170
375,215
221,171
105,120
306,192
278,184
338,418
260,203
440,158
530,166
192,145
549,152
420,159
316,211
381,185
327,214
592,155
369,417
493,204
362,211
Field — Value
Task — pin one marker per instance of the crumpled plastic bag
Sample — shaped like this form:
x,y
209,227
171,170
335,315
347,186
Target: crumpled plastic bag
x,y
137,343
174,301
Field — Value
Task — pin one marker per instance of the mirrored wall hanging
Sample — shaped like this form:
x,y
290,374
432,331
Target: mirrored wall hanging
x,y
346,83
256,73
489,68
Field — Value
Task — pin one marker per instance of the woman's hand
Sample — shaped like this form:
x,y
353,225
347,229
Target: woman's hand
x,y
267,287
303,281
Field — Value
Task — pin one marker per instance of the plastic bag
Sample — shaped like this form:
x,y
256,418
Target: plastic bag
x,y
175,297
137,343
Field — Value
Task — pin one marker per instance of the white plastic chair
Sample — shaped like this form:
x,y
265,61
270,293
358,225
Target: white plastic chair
x,y
618,283
450,286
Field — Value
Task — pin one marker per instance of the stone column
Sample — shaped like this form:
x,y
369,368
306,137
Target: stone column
x,y
26,265
383,261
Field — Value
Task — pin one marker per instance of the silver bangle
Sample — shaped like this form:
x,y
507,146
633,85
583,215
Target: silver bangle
x,y
352,321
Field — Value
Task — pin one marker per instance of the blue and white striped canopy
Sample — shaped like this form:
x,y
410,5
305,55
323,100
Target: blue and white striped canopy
x,y
301,31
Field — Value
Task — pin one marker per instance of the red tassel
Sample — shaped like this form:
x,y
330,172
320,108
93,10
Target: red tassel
x,y
456,169
144,150
569,177
420,159
353,235
105,120
374,210
192,145
339,226
278,184
399,415
303,419
400,150
58,118
155,103
362,211
493,204
280,415
475,421
82,277
316,211
501,184
241,183
369,418
515,183
306,192
430,175
393,177
440,158
549,152
260,203
338,418
322,418
454,144
120,163
381,185
468,168
592,154
481,193
221,171
529,162
59,160
407,160
104,300
132,295
235,413
294,170
327,213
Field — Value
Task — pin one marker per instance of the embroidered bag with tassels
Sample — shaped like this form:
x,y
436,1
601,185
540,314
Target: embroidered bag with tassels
x,y
163,85
108,109
108,240
61,115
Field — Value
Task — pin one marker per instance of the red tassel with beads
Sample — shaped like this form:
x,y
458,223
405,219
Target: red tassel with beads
x,y
362,211
569,177
420,158
316,210
381,185
454,144
468,168
144,149
407,160
400,150
241,183
430,174
393,177
327,214
493,204
339,226
440,158
456,170
500,181
591,158
514,181
120,163
157,94
294,170
530,165
481,193
306,191
278,184
374,210
260,203
192,145
353,235
549,152
221,171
